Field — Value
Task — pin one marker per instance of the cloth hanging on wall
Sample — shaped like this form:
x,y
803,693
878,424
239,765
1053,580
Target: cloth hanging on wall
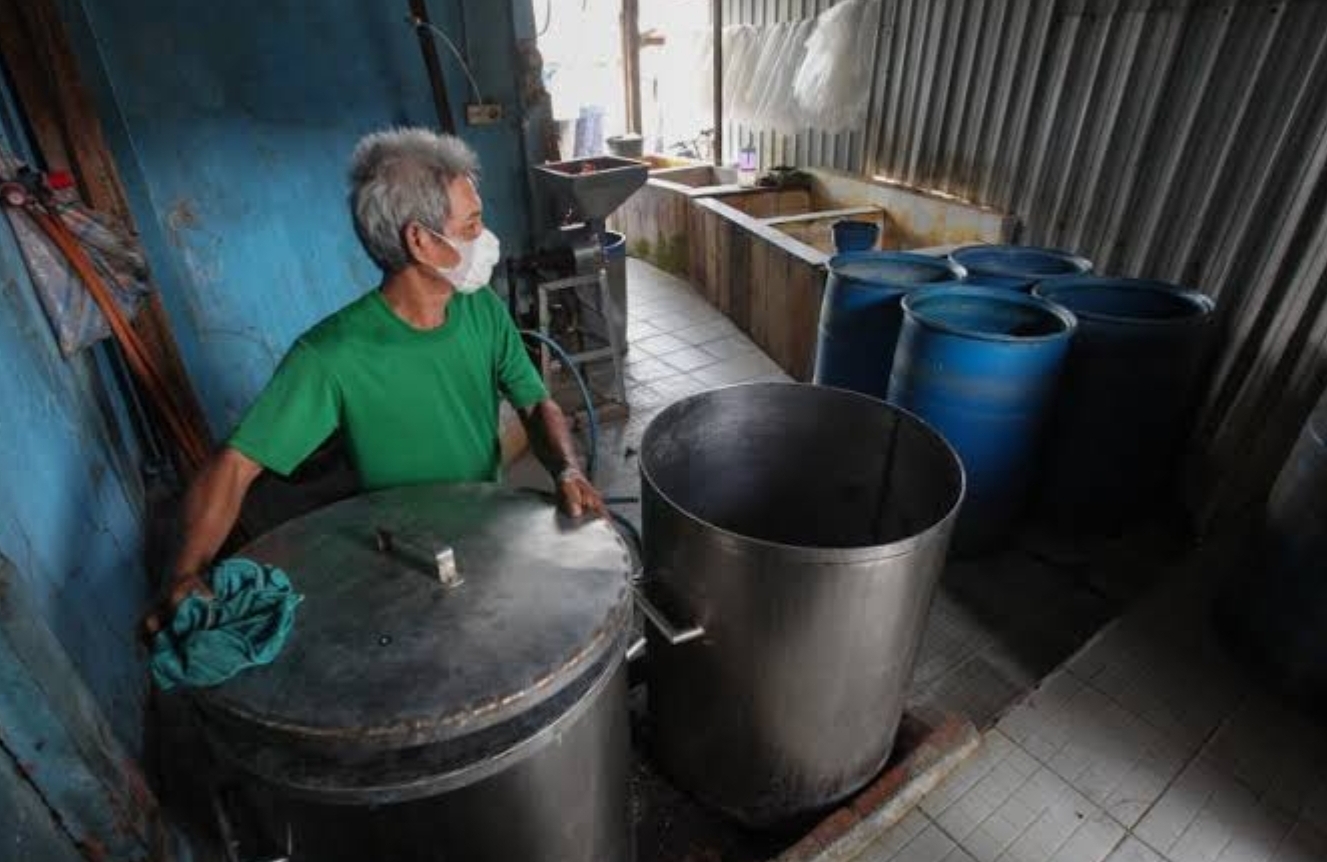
x,y
73,314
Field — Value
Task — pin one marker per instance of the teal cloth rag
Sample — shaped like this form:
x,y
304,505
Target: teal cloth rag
x,y
210,640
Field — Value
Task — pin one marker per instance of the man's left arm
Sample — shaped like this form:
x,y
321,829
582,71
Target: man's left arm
x,y
550,439
545,424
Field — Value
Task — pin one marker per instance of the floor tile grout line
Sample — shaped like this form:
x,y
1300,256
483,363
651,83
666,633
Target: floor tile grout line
x,y
917,835
1171,783
1024,783
1117,702
1127,832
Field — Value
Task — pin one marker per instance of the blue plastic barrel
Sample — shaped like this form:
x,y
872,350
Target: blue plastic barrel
x,y
860,315
1017,267
982,366
1126,401
850,235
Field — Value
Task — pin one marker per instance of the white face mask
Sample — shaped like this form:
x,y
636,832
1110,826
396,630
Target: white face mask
x,y
478,257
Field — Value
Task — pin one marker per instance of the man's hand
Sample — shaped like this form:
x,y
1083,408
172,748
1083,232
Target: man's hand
x,y
172,593
576,495
550,438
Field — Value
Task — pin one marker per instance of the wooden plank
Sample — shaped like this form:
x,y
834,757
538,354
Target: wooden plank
x,y
776,300
819,215
696,248
793,201
760,206
630,30
674,236
712,222
716,35
723,243
739,275
762,262
805,288
51,725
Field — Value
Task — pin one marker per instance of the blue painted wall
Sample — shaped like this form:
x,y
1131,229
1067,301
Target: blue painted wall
x,y
232,124
71,505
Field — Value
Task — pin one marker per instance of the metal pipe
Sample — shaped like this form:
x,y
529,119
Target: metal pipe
x,y
419,14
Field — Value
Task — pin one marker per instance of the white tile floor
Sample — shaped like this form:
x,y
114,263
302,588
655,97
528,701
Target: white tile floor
x,y
1147,745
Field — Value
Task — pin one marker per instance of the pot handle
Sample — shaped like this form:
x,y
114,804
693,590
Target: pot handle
x,y
675,635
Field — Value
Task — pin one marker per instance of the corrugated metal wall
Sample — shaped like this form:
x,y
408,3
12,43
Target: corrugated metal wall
x,y
1177,140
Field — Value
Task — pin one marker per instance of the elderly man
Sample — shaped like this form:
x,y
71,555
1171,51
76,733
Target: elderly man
x,y
410,373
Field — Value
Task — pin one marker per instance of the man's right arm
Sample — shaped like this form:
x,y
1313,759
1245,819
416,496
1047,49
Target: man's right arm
x,y
211,508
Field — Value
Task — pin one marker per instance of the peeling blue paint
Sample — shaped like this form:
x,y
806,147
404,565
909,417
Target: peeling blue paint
x,y
72,515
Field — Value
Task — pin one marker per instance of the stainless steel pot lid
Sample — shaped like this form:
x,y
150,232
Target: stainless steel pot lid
x,y
384,656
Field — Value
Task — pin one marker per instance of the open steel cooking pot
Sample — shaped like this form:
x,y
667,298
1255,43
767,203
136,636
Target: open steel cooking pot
x,y
793,539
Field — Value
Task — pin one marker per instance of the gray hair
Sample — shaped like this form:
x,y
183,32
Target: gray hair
x,y
399,176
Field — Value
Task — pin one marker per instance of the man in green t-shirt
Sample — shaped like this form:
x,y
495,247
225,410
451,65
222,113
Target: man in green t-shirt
x,y
410,373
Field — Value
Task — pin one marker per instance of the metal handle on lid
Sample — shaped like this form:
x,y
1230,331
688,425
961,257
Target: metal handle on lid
x,y
444,558
448,576
675,635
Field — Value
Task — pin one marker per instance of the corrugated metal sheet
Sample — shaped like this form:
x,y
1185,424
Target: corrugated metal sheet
x,y
1177,140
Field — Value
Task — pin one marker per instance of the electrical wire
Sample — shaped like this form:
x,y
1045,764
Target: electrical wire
x,y
548,18
420,24
591,418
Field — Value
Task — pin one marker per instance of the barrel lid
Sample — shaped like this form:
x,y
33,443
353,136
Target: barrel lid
x,y
384,656
989,315
1132,301
894,269
1019,261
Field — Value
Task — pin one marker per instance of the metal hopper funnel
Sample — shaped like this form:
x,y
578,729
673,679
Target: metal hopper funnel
x,y
593,187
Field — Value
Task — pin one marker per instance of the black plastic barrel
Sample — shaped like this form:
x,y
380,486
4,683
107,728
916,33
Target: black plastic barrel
x,y
1273,609
1017,267
1126,401
981,366
860,315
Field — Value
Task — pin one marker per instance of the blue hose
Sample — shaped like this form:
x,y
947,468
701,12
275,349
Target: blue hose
x,y
593,454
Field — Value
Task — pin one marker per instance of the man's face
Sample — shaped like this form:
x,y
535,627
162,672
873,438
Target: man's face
x,y
465,224
466,221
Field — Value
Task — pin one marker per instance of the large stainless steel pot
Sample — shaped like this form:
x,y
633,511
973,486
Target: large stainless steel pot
x,y
793,539
454,687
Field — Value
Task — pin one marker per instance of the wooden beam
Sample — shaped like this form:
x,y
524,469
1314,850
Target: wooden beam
x,y
817,215
716,19
630,19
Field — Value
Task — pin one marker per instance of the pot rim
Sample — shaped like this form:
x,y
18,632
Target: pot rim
x,y
813,554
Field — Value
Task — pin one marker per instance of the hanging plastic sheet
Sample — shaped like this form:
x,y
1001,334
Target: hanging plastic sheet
x,y
812,73
774,108
833,82
71,310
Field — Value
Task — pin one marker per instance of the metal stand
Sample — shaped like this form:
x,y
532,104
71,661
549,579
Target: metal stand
x,y
604,310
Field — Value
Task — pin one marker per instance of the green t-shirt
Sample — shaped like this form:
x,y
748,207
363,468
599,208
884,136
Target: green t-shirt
x,y
414,405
